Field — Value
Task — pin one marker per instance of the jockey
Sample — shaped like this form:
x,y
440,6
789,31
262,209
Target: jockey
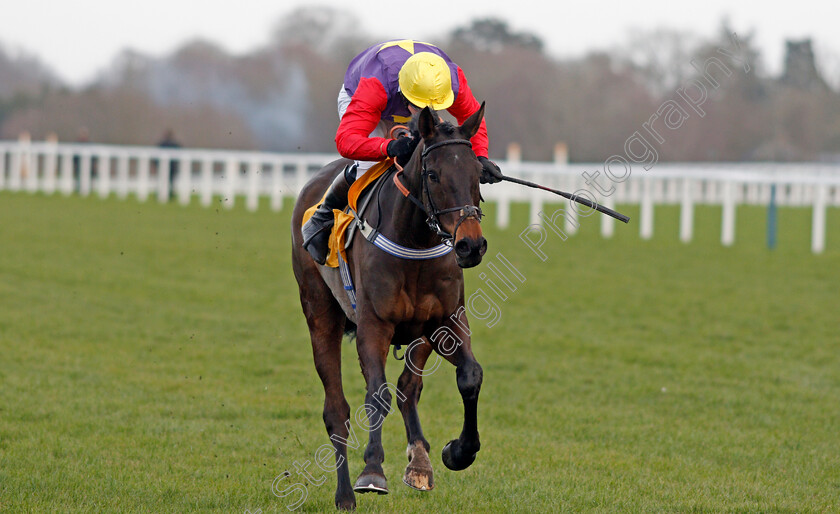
x,y
384,85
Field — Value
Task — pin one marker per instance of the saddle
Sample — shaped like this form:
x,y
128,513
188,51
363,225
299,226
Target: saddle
x,y
358,198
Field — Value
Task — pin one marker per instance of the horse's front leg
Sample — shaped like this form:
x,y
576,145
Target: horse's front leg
x,y
453,342
373,341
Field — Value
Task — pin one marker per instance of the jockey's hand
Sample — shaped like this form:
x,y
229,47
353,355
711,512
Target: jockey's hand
x,y
490,172
402,148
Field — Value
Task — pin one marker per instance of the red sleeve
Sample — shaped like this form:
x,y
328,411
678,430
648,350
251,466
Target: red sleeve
x,y
465,106
353,139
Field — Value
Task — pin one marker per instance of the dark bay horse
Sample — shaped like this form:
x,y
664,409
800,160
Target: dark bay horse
x,y
418,303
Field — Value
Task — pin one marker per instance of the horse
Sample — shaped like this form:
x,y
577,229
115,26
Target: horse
x,y
400,301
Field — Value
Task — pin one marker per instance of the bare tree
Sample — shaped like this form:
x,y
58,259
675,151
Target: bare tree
x,y
22,73
493,35
661,57
329,32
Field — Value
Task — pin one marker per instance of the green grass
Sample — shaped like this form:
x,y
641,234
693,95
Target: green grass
x,y
153,358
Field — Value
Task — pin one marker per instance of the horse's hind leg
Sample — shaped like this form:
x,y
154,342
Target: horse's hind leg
x,y
326,327
418,473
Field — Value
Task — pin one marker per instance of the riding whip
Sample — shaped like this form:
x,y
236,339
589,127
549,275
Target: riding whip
x,y
570,196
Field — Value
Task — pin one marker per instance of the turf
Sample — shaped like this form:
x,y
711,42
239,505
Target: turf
x,y
153,358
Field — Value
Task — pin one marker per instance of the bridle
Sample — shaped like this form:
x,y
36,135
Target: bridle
x,y
432,212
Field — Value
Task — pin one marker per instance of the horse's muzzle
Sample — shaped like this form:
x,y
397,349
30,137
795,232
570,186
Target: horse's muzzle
x,y
470,250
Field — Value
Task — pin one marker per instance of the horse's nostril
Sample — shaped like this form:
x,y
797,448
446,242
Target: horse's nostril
x,y
462,248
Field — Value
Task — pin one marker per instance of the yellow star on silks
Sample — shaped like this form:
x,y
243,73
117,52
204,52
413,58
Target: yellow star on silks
x,y
405,44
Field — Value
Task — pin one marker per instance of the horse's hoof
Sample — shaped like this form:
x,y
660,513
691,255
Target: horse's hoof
x,y
346,503
453,458
419,479
371,483
418,473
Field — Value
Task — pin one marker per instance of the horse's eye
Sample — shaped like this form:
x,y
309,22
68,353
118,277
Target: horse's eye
x,y
433,176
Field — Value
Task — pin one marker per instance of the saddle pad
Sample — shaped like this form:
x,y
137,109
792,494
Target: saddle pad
x,y
343,220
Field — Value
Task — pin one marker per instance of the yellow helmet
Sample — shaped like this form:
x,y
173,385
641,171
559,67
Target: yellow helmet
x,y
425,80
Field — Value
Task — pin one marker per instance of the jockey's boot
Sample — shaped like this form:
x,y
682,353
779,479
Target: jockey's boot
x,y
316,231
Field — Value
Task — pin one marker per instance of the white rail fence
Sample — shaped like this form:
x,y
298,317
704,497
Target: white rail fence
x,y
223,176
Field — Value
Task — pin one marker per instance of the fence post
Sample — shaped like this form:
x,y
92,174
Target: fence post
x,y
753,194
797,195
675,190
164,171
620,194
184,183
104,172
771,218
646,214
687,211
18,153
231,172
122,175
3,168
727,233
658,190
29,166
763,194
50,164
561,160
571,222
300,176
277,186
707,187
65,173
252,200
85,158
608,222
143,164
535,203
206,181
502,207
818,219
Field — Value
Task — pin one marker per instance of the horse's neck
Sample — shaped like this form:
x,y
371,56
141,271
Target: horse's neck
x,y
401,219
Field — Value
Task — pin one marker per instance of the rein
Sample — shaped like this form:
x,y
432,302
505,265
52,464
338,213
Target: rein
x,y
432,212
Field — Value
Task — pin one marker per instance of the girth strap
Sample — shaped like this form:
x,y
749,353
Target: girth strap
x,y
386,245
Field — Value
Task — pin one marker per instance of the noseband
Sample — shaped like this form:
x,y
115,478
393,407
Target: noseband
x,y
432,212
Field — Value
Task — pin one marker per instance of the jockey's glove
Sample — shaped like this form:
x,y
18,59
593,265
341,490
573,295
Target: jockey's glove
x,y
402,148
490,172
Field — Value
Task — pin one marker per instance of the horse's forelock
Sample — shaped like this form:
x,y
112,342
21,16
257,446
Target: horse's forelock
x,y
444,127
447,128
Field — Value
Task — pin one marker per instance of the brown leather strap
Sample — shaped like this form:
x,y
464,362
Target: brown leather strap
x,y
399,184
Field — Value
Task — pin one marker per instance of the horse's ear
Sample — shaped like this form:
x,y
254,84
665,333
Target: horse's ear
x,y
470,127
426,124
